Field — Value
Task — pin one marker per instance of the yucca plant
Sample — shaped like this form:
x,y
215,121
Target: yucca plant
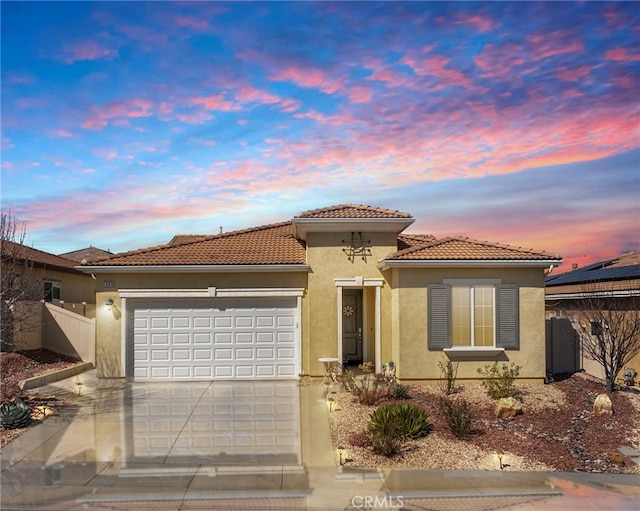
x,y
409,421
15,414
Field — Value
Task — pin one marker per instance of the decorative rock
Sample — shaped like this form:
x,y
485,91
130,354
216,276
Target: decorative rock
x,y
617,458
508,407
602,405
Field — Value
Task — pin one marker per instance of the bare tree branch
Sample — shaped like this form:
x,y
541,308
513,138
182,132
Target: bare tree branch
x,y
21,282
607,323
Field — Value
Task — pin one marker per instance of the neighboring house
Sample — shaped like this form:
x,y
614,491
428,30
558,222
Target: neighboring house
x,y
87,255
342,282
54,280
617,280
61,281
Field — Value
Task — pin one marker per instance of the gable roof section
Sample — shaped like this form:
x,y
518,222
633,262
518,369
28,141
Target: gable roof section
x,y
406,241
352,211
39,258
459,250
88,254
265,245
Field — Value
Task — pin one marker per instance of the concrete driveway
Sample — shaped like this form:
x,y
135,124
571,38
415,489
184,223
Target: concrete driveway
x,y
245,445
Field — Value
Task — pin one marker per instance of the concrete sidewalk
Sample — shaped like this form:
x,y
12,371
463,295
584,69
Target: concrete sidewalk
x,y
146,446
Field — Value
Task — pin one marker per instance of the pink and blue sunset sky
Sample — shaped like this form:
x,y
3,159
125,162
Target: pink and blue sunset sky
x,y
124,123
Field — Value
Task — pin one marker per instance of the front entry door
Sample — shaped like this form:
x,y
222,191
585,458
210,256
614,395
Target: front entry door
x,y
352,326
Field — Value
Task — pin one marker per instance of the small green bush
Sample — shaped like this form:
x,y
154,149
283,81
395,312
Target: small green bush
x,y
400,391
498,381
458,415
449,371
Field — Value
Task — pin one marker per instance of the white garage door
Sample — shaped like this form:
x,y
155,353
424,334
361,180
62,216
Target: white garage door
x,y
215,339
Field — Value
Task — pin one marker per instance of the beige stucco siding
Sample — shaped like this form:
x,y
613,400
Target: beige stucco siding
x,y
75,287
328,261
416,362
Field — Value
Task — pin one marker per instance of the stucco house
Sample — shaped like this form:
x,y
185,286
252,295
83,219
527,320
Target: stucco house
x,y
342,282
613,285
46,286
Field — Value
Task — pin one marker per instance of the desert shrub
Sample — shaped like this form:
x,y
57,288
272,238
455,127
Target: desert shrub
x,y
371,387
359,439
409,421
385,438
458,416
399,391
499,381
448,371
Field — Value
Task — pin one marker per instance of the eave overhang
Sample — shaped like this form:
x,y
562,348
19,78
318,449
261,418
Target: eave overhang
x,y
303,226
197,268
466,263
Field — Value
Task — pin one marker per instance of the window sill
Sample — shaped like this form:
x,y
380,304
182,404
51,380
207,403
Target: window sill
x,y
479,353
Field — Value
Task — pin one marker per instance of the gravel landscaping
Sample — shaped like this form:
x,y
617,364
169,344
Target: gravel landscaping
x,y
557,431
20,365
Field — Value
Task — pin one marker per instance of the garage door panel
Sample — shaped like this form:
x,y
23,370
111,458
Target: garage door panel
x,y
180,322
202,322
202,338
222,322
244,321
243,337
159,339
213,339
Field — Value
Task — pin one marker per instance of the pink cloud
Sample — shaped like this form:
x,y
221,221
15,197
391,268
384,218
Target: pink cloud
x,y
217,102
64,133
7,165
191,22
622,54
554,43
572,75
290,105
481,22
308,77
194,117
436,67
86,50
105,154
118,110
248,94
499,61
360,94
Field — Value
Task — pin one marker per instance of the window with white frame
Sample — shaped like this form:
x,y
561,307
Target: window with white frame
x,y
473,316
52,291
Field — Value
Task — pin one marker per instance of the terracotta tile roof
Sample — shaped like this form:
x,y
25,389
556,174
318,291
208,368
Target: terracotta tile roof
x,y
458,248
185,238
40,258
352,211
406,241
88,254
267,244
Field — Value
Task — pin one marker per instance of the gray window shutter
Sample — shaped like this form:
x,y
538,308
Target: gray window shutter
x,y
439,306
507,318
